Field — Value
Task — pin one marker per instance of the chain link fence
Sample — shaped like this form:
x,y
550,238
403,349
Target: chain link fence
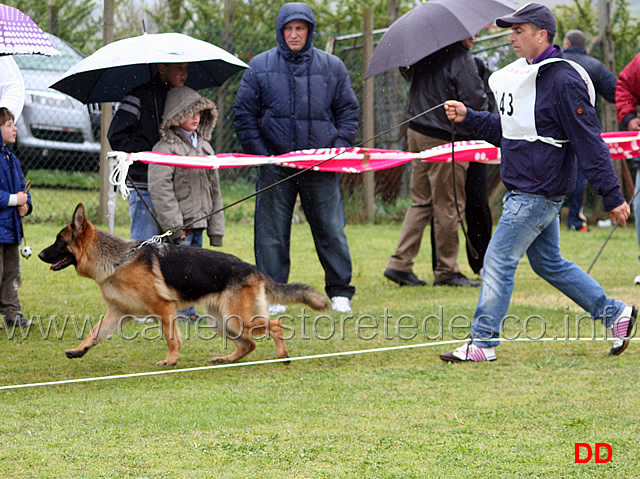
x,y
58,137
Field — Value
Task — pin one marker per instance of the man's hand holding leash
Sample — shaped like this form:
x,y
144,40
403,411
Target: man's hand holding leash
x,y
620,214
456,111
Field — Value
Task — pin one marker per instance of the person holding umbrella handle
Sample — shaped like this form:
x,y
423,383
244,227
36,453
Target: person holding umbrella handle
x,y
136,127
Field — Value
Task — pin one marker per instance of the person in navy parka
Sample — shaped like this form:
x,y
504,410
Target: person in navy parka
x,y
296,97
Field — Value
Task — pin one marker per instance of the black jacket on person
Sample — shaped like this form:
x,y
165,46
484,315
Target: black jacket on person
x,y
485,72
448,74
136,125
603,80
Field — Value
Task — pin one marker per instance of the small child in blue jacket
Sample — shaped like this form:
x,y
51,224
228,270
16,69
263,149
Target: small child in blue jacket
x,y
14,203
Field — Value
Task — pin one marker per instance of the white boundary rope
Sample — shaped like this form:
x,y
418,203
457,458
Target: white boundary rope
x,y
282,360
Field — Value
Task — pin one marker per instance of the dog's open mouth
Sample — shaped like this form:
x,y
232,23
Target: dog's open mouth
x,y
63,263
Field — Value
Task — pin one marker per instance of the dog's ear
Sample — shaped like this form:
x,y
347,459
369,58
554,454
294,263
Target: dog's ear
x,y
79,218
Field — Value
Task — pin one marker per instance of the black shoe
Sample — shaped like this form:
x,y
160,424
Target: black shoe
x,y
19,321
402,278
582,227
457,279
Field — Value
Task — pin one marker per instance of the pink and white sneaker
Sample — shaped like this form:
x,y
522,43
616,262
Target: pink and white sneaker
x,y
469,352
622,329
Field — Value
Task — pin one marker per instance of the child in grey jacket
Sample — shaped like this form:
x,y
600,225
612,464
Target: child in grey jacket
x,y
181,195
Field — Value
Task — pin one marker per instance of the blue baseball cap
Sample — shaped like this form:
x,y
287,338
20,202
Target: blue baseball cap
x,y
539,15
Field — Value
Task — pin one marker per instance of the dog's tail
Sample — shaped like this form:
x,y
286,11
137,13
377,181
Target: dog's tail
x,y
296,293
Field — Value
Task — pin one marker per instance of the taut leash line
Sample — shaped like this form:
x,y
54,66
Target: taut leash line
x,y
611,234
472,251
262,190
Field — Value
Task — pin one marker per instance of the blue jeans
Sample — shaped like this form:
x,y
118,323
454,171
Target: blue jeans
x,y
191,238
143,226
322,204
531,224
575,200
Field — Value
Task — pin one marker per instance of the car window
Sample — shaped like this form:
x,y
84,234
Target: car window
x,y
68,58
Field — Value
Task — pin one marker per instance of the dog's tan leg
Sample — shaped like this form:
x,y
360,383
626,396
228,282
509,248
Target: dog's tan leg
x,y
274,328
277,334
233,328
103,329
171,333
262,326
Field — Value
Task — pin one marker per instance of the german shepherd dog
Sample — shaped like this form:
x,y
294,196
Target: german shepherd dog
x,y
143,279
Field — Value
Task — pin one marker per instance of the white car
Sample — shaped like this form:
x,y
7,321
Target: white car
x,y
55,131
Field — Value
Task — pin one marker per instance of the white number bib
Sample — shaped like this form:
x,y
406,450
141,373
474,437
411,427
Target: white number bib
x,y
514,87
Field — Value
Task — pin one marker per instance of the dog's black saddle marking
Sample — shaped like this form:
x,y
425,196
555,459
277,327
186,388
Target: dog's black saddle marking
x,y
195,272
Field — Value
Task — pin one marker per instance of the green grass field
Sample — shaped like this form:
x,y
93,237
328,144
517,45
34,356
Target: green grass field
x,y
394,414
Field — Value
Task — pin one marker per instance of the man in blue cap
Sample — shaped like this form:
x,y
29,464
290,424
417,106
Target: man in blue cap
x,y
546,125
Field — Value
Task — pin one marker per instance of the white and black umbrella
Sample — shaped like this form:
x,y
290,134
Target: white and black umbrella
x,y
430,27
20,35
112,71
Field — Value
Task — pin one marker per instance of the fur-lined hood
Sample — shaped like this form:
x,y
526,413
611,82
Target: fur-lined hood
x,y
182,103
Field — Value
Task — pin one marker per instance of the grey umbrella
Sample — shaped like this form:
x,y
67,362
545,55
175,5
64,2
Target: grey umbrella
x,y
431,26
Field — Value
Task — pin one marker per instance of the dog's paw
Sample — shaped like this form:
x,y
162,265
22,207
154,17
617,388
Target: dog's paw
x,y
75,353
286,363
166,363
218,360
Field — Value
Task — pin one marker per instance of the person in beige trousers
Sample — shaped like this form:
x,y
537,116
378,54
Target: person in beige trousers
x,y
448,73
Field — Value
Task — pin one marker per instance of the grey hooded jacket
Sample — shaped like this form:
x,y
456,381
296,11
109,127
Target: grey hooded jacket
x,y
181,195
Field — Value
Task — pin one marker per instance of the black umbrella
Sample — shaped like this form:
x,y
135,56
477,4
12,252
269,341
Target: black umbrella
x,y
431,26
111,72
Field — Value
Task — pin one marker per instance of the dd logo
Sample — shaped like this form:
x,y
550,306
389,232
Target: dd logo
x,y
597,447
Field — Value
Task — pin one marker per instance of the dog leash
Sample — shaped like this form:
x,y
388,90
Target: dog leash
x,y
615,226
158,238
472,251
144,202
